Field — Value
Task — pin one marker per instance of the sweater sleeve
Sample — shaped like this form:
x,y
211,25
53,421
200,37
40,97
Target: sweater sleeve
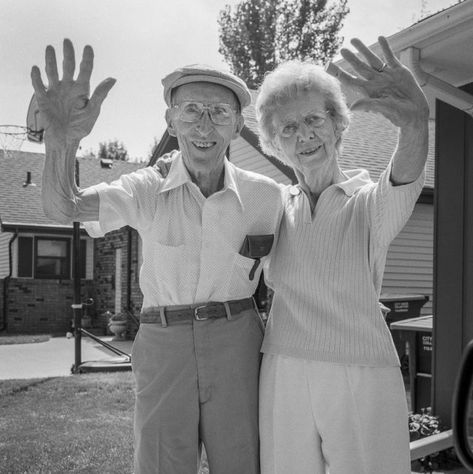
x,y
390,206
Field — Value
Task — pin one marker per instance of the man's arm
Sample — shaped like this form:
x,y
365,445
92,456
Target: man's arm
x,y
68,116
389,88
63,200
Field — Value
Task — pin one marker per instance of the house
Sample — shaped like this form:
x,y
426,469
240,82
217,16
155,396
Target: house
x,y
36,287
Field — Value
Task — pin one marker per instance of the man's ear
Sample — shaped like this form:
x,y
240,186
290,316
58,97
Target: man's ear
x,y
170,123
238,126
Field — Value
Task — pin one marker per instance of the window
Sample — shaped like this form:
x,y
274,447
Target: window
x,y
53,258
48,258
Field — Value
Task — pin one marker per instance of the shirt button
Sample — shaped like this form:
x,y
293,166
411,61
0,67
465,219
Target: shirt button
x,y
294,191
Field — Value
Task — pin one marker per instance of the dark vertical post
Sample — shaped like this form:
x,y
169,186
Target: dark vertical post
x,y
76,303
467,320
453,252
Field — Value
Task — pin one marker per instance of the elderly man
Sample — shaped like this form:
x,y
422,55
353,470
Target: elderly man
x,y
196,355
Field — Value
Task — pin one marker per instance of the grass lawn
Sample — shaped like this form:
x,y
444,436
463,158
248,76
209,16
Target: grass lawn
x,y
82,424
21,339
68,424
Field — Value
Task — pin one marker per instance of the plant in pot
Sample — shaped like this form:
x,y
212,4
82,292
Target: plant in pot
x,y
117,324
422,425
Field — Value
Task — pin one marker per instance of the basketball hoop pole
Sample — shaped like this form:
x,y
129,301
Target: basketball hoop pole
x,y
77,305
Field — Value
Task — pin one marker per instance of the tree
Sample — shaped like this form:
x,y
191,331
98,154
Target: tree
x,y
259,34
114,150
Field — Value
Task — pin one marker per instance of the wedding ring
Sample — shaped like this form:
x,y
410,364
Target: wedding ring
x,y
380,69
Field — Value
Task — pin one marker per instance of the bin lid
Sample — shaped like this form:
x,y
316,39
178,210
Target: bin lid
x,y
388,298
420,324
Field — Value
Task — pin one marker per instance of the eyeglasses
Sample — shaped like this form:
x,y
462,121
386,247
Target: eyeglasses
x,y
192,111
312,121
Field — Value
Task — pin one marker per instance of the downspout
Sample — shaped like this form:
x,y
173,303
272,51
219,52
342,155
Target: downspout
x,y
128,276
440,89
6,282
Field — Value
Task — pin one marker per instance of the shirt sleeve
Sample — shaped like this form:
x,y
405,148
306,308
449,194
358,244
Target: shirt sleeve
x,y
390,206
130,200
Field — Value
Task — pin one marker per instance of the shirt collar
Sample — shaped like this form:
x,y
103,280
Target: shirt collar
x,y
355,180
178,176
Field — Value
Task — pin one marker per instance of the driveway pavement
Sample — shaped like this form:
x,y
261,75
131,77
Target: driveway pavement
x,y
53,358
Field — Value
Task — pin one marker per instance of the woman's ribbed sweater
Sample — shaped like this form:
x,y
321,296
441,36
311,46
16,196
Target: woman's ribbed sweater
x,y
327,271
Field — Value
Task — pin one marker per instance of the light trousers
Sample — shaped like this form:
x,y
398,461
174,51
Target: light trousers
x,y
197,381
319,417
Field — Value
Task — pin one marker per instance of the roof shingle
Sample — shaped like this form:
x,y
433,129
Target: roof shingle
x,y
21,204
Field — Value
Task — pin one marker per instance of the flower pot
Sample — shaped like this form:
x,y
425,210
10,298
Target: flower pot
x,y
118,328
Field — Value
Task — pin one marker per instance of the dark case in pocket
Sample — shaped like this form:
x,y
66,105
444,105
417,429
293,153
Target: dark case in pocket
x,y
256,247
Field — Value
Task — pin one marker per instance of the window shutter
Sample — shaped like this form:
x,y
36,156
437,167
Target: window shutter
x,y
25,257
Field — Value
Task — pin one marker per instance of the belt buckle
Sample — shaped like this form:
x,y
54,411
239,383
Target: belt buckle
x,y
196,313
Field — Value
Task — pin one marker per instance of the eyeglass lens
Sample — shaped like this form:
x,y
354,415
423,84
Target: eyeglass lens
x,y
313,121
220,114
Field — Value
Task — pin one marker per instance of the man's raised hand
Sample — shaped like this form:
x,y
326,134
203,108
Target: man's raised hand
x,y
66,108
386,85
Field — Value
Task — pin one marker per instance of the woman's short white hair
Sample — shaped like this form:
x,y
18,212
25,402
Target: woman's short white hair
x,y
288,81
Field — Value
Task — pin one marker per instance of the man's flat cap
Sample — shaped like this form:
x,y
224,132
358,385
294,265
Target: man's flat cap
x,y
202,73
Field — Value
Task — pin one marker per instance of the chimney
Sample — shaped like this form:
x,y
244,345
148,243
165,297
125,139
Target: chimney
x,y
28,181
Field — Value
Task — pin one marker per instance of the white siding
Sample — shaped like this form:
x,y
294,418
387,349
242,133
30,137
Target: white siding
x,y
409,264
15,258
4,260
243,155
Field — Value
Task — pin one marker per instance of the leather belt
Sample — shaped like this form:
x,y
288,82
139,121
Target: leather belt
x,y
199,312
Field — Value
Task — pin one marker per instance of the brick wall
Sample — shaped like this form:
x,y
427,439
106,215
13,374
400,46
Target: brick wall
x,y
104,274
42,306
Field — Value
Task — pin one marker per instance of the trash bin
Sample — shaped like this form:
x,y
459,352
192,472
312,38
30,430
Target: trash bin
x,y
418,333
402,307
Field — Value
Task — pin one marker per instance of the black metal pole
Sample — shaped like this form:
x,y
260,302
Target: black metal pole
x,y
76,301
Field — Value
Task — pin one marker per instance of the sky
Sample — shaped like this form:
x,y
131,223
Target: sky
x,y
138,42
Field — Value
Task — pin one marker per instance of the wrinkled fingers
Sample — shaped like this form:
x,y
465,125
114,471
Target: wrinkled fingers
x,y
388,52
358,65
374,61
51,66
86,65
100,92
37,82
344,77
69,61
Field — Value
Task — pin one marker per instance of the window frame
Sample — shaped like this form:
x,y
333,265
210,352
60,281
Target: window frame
x,y
67,259
33,257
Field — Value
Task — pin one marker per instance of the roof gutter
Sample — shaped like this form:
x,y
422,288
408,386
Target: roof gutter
x,y
439,88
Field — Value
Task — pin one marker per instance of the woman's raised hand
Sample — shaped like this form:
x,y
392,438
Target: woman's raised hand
x,y
386,85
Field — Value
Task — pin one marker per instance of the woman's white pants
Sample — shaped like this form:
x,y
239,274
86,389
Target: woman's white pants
x,y
322,417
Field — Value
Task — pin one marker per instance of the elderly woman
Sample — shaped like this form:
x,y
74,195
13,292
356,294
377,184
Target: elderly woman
x,y
331,392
